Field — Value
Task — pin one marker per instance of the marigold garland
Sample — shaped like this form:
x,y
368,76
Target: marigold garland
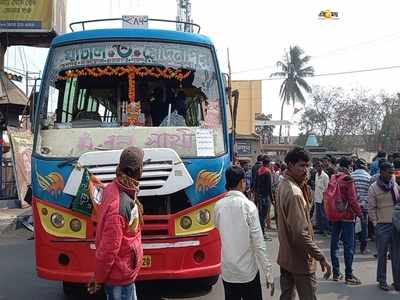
x,y
131,71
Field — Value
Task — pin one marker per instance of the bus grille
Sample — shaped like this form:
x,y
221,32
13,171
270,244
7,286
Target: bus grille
x,y
155,174
164,172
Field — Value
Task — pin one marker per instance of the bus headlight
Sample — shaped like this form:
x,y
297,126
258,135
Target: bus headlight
x,y
57,220
203,216
75,225
186,222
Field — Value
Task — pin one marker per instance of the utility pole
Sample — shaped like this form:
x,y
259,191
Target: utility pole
x,y
3,49
184,14
27,83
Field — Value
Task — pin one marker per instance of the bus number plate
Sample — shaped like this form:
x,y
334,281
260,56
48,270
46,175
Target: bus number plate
x,y
146,261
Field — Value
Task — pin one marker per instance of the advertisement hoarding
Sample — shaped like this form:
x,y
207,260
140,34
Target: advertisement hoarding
x,y
32,16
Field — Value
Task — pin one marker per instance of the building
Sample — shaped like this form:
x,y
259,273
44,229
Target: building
x,y
250,100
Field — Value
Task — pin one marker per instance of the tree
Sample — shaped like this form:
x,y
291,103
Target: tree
x,y
293,69
320,117
265,131
389,135
345,119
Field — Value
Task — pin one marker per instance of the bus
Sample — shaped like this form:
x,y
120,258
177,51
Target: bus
x,y
107,89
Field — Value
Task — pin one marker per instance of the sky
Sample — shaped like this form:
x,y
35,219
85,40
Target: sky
x,y
257,32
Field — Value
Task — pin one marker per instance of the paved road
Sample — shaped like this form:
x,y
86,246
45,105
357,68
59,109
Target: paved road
x,y
18,280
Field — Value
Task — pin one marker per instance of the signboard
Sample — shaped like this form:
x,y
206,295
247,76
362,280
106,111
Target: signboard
x,y
243,148
137,53
135,22
186,141
26,15
21,148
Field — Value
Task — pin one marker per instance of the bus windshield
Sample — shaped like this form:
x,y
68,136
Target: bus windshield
x,y
109,95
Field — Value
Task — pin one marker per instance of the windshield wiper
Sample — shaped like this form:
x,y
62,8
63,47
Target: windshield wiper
x,y
68,161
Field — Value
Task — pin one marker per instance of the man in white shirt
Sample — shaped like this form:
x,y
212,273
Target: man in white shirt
x,y
243,245
321,183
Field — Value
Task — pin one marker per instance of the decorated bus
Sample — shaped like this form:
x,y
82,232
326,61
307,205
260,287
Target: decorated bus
x,y
104,90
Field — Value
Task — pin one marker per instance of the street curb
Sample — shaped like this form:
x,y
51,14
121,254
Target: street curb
x,y
8,224
11,219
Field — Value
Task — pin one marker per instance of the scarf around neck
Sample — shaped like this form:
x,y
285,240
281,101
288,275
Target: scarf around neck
x,y
389,187
131,187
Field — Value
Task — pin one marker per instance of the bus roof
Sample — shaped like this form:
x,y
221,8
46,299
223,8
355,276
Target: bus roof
x,y
119,33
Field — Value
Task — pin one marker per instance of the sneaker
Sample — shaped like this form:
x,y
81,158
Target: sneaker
x,y
353,280
393,286
338,277
365,252
384,286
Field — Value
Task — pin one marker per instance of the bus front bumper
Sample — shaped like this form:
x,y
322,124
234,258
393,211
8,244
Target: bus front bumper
x,y
184,259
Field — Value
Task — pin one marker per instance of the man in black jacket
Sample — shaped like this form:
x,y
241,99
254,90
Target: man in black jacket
x,y
254,170
263,192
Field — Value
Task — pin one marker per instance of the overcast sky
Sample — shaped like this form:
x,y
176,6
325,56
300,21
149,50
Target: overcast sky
x,y
257,32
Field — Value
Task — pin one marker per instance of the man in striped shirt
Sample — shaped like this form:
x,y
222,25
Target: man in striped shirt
x,y
362,181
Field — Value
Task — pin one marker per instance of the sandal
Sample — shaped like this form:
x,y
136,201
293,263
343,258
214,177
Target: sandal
x,y
384,287
353,280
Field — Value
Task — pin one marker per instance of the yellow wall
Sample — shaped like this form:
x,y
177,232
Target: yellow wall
x,y
249,104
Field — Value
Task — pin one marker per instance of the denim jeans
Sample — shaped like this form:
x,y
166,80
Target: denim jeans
x,y
322,221
345,230
120,292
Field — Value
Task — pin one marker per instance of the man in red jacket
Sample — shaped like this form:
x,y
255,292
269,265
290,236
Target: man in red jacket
x,y
119,250
345,228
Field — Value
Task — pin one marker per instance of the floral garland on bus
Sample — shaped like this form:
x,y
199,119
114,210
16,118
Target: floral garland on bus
x,y
132,72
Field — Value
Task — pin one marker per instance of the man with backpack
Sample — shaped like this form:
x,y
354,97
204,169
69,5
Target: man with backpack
x,y
342,207
383,197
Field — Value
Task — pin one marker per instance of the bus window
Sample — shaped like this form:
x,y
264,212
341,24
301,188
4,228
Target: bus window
x,y
169,86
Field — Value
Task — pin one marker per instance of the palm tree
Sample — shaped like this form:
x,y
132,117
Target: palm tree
x,y
293,69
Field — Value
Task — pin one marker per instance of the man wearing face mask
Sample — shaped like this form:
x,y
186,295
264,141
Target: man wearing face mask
x,y
119,251
298,253
382,197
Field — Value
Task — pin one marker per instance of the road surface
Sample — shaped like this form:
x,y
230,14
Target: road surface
x,y
18,280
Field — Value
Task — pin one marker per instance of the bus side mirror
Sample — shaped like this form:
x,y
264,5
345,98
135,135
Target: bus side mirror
x,y
3,122
33,107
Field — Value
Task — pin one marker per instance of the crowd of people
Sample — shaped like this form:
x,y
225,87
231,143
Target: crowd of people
x,y
347,200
